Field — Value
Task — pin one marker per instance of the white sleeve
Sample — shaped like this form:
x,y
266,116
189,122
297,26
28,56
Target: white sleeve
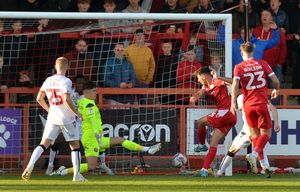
x,y
43,87
67,87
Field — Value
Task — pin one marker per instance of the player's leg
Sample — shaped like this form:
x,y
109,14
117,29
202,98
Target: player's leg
x,y
50,134
132,146
261,143
217,136
201,133
71,134
241,141
54,150
264,125
103,165
52,154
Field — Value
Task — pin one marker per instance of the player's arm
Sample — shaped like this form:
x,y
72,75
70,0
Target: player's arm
x,y
216,76
41,100
197,95
274,112
276,86
234,94
69,102
94,120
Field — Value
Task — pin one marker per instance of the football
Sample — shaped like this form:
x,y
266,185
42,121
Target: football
x,y
179,160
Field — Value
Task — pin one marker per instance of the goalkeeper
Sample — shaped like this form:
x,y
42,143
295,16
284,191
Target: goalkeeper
x,y
92,139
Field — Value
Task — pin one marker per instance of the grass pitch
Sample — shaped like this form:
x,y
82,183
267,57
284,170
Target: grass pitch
x,y
151,183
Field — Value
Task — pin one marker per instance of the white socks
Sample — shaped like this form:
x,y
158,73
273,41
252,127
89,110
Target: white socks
x,y
225,163
76,160
38,151
145,149
102,158
52,156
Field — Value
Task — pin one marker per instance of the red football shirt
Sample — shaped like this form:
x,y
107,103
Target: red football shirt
x,y
219,92
253,77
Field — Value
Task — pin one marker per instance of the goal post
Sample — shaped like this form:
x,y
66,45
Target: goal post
x,y
157,119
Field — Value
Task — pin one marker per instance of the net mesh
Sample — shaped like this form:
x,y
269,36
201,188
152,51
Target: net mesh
x,y
161,54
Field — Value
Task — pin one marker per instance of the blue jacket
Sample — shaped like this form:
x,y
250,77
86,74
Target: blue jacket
x,y
260,45
117,71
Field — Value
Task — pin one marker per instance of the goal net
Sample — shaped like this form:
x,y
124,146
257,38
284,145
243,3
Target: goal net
x,y
155,54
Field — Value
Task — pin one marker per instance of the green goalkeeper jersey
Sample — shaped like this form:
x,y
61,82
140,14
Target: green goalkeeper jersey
x,y
91,118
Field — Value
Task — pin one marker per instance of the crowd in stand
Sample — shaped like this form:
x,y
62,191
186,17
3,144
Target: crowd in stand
x,y
145,60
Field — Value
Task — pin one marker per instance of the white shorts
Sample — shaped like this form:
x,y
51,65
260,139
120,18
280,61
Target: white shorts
x,y
242,140
70,131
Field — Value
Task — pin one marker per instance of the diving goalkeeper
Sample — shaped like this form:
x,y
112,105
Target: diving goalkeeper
x,y
92,139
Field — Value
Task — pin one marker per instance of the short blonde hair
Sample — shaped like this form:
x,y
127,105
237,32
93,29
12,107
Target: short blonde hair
x,y
247,48
62,63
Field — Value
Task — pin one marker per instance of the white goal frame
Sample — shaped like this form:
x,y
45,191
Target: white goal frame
x,y
225,18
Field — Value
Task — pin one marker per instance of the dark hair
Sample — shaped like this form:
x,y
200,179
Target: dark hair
x,y
204,70
79,77
191,48
84,1
247,47
139,31
267,10
88,85
109,2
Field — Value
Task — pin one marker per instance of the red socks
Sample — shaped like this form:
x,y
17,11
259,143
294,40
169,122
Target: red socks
x,y
210,157
254,141
260,145
201,132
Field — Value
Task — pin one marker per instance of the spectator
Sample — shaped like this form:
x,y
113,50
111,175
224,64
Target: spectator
x,y
217,63
186,74
29,5
81,62
260,5
133,7
275,56
172,6
165,75
230,3
260,48
53,5
109,26
198,48
119,73
204,6
296,61
143,61
15,46
294,17
238,18
279,16
25,80
4,82
82,6
152,38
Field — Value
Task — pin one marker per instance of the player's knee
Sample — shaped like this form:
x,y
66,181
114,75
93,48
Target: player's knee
x,y
76,149
230,154
43,146
201,123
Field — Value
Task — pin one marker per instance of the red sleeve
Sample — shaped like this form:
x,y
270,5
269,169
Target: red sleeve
x,y
283,49
267,68
236,72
